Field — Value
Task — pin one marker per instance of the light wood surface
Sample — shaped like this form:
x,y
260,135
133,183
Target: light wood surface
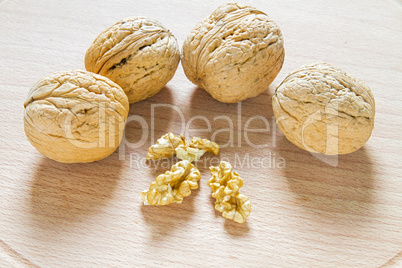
x,y
314,212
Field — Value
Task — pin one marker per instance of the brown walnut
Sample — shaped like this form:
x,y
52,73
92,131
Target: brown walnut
x,y
139,54
322,109
75,116
234,54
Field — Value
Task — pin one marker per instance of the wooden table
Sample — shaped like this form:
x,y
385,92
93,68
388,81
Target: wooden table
x,y
306,211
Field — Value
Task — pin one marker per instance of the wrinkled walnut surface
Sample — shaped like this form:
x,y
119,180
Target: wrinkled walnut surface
x,y
322,109
139,54
75,116
165,147
225,185
172,186
170,145
193,149
234,54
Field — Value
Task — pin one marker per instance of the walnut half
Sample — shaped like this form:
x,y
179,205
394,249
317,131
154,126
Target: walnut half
x,y
172,186
193,149
225,185
169,145
165,146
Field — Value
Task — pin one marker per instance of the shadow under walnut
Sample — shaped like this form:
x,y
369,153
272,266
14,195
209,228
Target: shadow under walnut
x,y
231,227
64,193
163,220
202,104
346,187
136,130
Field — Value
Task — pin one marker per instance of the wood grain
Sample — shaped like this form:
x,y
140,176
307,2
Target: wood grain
x,y
311,212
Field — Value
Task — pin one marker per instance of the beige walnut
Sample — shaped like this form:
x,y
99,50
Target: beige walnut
x,y
75,116
172,186
225,185
139,54
322,109
234,54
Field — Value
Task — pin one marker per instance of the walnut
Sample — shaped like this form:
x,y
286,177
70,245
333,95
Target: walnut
x,y
193,149
225,185
169,145
165,146
75,116
189,153
137,53
172,186
234,54
322,109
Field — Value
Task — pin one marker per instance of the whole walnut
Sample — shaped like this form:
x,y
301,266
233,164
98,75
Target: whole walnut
x,y
234,54
322,109
139,54
75,116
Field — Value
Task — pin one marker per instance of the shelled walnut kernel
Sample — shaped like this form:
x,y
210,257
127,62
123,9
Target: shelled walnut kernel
x,y
165,146
169,145
225,185
193,149
172,186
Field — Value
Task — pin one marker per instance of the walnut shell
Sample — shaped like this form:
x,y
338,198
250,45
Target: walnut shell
x,y
75,116
234,54
322,109
139,54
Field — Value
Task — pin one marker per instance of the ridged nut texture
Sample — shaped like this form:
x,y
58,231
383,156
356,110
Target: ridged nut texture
x,y
75,116
322,109
234,54
172,186
139,54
